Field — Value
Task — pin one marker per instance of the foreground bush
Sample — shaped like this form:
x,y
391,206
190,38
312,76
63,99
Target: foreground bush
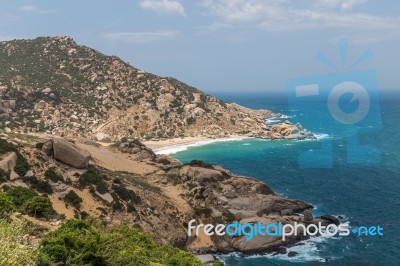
x,y
78,242
14,248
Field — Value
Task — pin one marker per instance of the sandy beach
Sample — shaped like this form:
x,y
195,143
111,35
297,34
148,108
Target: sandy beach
x,y
171,146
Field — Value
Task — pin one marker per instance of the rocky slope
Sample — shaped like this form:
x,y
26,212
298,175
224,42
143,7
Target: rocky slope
x,y
127,182
55,86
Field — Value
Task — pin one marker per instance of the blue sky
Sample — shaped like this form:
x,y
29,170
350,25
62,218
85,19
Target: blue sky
x,y
222,45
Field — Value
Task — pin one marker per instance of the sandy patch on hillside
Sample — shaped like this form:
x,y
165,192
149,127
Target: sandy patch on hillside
x,y
117,161
173,192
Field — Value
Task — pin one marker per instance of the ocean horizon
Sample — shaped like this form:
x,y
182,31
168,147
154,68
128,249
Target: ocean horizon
x,y
361,194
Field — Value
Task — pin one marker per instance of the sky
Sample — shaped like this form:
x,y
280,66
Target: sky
x,y
223,45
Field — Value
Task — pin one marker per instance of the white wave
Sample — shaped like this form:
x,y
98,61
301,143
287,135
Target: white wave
x,y
307,251
273,120
285,116
246,144
182,147
321,135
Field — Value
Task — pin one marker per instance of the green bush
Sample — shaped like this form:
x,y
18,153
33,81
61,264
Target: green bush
x,y
15,249
126,194
78,242
93,176
117,206
53,176
19,195
4,176
175,179
39,206
75,243
6,204
39,145
40,185
73,199
199,163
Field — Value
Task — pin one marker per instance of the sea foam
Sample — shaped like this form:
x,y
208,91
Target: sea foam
x,y
182,147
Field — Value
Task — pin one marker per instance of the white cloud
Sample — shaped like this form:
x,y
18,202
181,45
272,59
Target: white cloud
x,y
28,8
141,37
34,9
344,5
172,7
281,15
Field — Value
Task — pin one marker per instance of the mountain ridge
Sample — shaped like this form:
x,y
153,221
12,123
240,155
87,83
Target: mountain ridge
x,y
53,85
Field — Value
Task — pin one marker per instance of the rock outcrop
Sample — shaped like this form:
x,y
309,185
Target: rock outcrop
x,y
67,153
138,150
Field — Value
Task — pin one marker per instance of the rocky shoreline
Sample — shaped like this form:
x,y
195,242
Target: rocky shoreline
x,y
171,193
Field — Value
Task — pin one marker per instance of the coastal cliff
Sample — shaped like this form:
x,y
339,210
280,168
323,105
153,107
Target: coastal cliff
x,y
128,183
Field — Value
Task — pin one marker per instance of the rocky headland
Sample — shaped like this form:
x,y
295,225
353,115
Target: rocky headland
x,y
127,182
53,85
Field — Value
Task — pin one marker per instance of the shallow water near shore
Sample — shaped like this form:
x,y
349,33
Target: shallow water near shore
x,y
363,194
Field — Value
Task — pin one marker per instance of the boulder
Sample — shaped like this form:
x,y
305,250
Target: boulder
x,y
102,137
67,153
107,198
206,258
8,162
204,175
331,219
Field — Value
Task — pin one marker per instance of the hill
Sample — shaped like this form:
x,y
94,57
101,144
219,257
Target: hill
x,y
54,85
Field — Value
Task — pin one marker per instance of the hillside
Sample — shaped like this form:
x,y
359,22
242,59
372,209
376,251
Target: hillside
x,y
49,181
54,85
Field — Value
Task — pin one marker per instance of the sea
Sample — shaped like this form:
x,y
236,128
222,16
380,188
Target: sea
x,y
358,184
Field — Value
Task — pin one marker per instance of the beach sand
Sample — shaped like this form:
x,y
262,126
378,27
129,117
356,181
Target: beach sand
x,y
170,146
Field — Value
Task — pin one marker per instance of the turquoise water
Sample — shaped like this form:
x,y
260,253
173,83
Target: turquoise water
x,y
363,194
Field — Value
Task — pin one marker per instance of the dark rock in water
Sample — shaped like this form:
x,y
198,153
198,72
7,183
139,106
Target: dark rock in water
x,y
280,250
292,254
331,219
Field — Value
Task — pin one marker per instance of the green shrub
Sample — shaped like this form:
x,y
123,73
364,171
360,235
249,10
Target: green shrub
x,y
117,206
19,195
93,176
40,185
75,243
126,194
39,206
78,242
73,199
4,176
175,179
39,145
15,249
53,176
6,204
199,163
190,120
